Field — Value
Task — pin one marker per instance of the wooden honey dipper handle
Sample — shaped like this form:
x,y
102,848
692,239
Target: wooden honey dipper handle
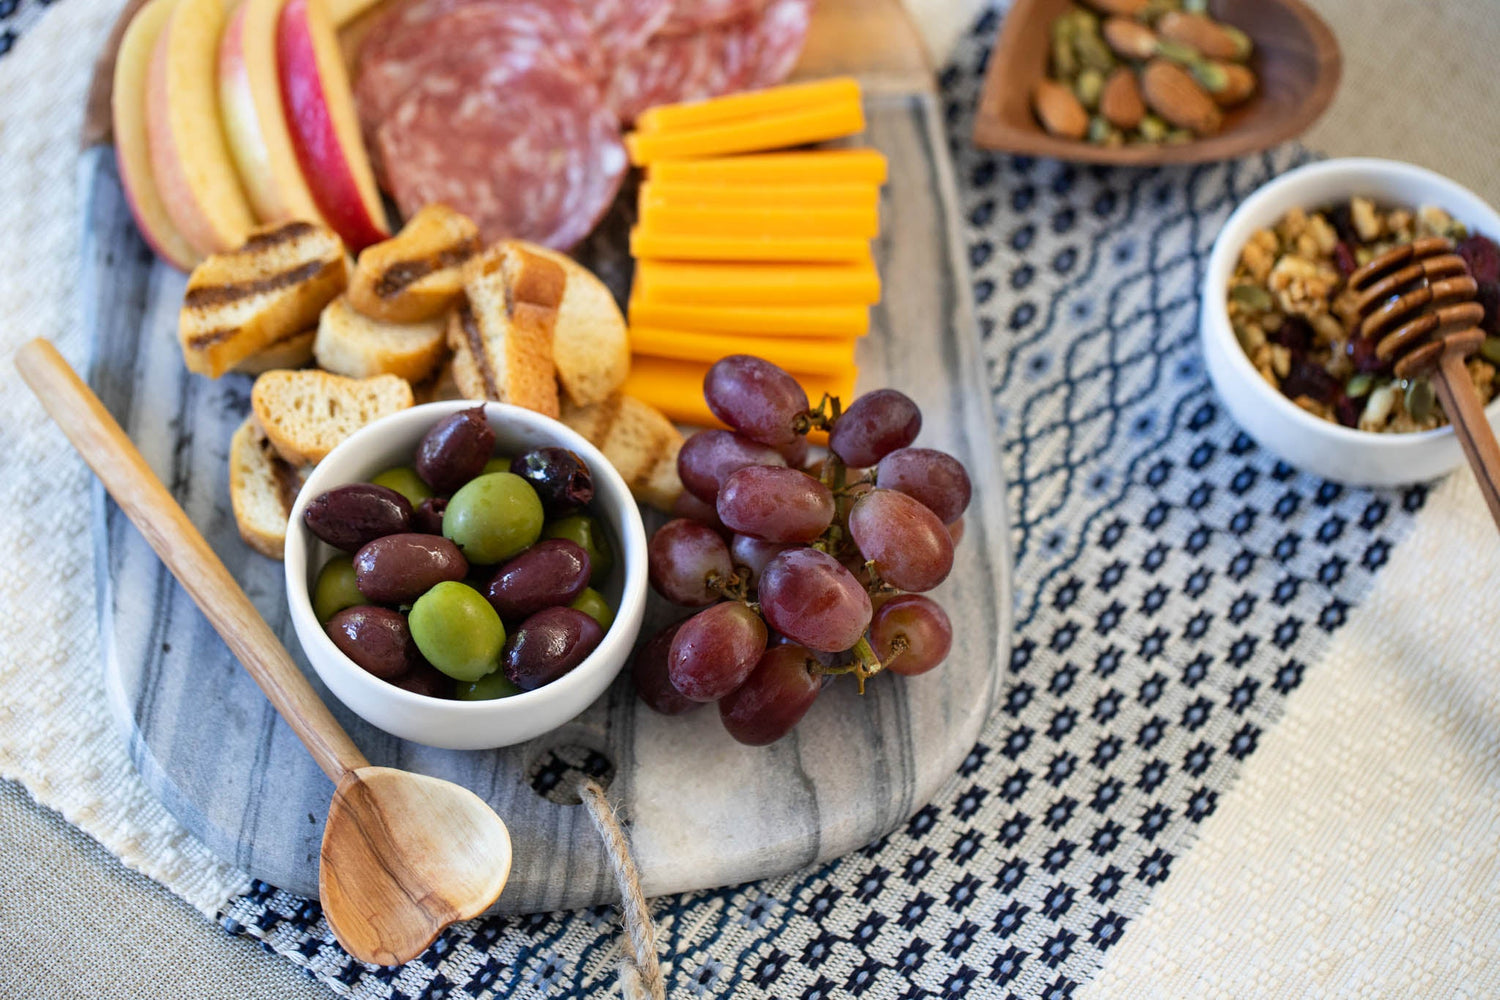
x,y
1461,403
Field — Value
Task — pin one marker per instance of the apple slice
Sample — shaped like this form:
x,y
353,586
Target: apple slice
x,y
250,102
325,129
132,152
191,161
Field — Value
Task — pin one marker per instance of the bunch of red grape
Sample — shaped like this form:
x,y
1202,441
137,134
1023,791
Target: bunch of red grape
x,y
804,569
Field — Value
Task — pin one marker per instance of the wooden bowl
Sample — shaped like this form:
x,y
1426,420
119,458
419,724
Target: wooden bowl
x,y
1296,58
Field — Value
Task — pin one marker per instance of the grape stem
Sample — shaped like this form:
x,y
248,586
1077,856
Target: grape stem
x,y
864,665
822,417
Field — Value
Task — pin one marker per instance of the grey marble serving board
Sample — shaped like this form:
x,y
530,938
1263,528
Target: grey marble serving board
x,y
703,810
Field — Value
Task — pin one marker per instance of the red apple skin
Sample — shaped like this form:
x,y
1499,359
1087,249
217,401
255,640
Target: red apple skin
x,y
324,161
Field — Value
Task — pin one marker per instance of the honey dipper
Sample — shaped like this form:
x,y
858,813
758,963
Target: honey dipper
x,y
1417,302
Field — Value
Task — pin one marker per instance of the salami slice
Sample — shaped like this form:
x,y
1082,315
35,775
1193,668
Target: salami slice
x,y
418,35
528,154
689,17
622,26
756,50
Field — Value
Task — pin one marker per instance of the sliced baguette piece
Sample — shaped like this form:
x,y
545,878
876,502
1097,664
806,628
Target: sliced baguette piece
x,y
239,303
441,386
501,332
262,488
590,342
288,352
306,413
352,344
639,442
417,274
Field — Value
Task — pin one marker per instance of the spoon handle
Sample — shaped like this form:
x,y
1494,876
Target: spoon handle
x,y
152,509
1456,392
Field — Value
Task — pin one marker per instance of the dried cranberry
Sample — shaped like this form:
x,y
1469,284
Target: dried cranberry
x,y
1343,224
1489,297
1295,334
1482,256
1304,379
1347,410
1361,351
1343,257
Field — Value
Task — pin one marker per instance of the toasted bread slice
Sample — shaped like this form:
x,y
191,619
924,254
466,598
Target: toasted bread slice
x,y
501,333
262,488
417,274
638,441
590,342
288,352
440,387
306,413
352,344
239,303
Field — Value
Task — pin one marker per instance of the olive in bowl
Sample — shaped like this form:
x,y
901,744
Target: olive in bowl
x,y
464,585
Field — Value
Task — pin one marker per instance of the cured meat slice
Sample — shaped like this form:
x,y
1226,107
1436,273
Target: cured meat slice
x,y
418,35
756,50
530,154
691,16
622,26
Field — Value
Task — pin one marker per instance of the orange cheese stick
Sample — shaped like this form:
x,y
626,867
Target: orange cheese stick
x,y
655,192
828,356
845,321
839,222
776,131
748,104
664,246
676,388
685,282
814,166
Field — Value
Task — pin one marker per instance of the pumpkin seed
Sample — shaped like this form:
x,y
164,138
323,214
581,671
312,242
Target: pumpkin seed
x,y
1419,399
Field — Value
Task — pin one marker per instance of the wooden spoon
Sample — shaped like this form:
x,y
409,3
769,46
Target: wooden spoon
x,y
404,855
1416,302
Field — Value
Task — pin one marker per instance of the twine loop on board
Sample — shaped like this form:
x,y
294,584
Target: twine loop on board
x,y
640,969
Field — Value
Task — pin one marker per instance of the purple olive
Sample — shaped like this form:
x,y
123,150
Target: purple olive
x,y
428,517
551,573
455,450
347,517
377,639
548,645
561,479
397,569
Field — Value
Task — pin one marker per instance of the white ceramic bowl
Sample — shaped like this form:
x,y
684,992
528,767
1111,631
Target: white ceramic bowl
x,y
1320,446
468,725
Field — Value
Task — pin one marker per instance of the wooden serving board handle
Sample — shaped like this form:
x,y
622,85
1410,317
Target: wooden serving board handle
x,y
151,508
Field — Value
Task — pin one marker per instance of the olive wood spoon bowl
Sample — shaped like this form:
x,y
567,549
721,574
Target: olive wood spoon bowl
x,y
404,855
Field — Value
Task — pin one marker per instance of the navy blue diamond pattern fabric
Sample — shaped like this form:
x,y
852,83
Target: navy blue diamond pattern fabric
x,y
1174,583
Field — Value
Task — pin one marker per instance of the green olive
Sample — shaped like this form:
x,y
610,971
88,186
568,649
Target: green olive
x,y
487,688
493,517
405,481
335,589
593,604
500,463
457,630
590,534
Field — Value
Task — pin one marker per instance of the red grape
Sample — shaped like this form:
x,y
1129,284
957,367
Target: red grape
x,y
873,426
649,671
935,478
919,626
687,562
795,453
756,398
688,506
774,698
809,598
911,548
775,504
715,650
709,457
956,531
752,554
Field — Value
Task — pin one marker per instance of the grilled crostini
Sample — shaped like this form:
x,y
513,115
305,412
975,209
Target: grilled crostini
x,y
417,274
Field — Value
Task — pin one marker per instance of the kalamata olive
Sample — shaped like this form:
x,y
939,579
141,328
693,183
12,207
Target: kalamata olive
x,y
428,517
548,645
549,574
455,450
426,679
562,481
397,569
347,517
377,639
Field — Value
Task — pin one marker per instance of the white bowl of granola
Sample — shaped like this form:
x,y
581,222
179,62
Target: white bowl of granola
x,y
1276,337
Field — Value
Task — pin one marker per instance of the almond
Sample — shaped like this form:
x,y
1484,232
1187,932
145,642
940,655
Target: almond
x,y
1124,8
1172,93
1212,39
1239,86
1130,39
1060,112
1120,103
